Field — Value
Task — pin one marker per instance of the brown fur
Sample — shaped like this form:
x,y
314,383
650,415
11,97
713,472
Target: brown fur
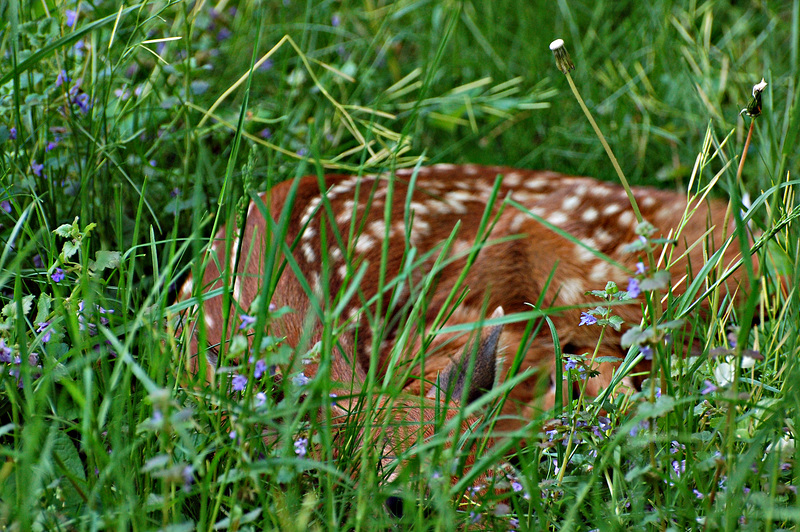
x,y
509,274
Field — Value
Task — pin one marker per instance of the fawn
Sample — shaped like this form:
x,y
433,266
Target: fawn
x,y
341,231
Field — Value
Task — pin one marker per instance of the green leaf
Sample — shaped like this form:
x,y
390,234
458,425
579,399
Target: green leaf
x,y
636,336
70,248
105,260
658,281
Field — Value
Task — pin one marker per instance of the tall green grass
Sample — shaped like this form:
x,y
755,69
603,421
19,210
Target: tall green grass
x,y
128,133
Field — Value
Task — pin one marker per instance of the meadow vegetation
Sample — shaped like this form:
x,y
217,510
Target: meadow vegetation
x,y
129,133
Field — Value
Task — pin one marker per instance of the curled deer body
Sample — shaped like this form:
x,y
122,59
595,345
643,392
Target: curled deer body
x,y
354,235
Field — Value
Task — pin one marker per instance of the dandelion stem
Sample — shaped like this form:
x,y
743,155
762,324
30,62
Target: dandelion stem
x,y
744,151
610,153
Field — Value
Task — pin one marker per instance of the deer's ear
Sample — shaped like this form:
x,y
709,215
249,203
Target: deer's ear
x,y
454,378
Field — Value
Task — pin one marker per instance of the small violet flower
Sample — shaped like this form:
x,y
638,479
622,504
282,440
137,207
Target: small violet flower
x,y
5,205
260,369
247,321
12,133
239,383
587,319
633,288
647,351
37,168
708,388
300,448
44,327
58,275
640,268
300,380
5,352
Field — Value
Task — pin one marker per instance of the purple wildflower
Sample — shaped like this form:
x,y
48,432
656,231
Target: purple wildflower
x,y
647,351
5,206
513,522
5,352
300,447
37,168
587,319
72,16
633,288
175,192
37,261
300,380
640,268
336,20
223,34
188,477
44,326
709,388
247,321
239,383
265,133
83,103
62,77
516,486
12,133
261,398
266,65
58,275
260,369
302,152
474,517
52,144
570,364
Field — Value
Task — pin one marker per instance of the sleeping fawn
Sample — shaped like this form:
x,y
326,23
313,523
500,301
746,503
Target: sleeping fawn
x,y
366,246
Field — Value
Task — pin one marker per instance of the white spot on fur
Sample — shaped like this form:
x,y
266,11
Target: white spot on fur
x,y
599,272
335,253
602,236
583,254
536,184
512,179
365,243
626,219
209,321
589,215
443,167
557,218
188,285
378,228
572,291
237,289
346,215
611,209
309,233
342,271
308,252
648,201
457,199
418,208
601,191
316,284
517,221
570,203
310,208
